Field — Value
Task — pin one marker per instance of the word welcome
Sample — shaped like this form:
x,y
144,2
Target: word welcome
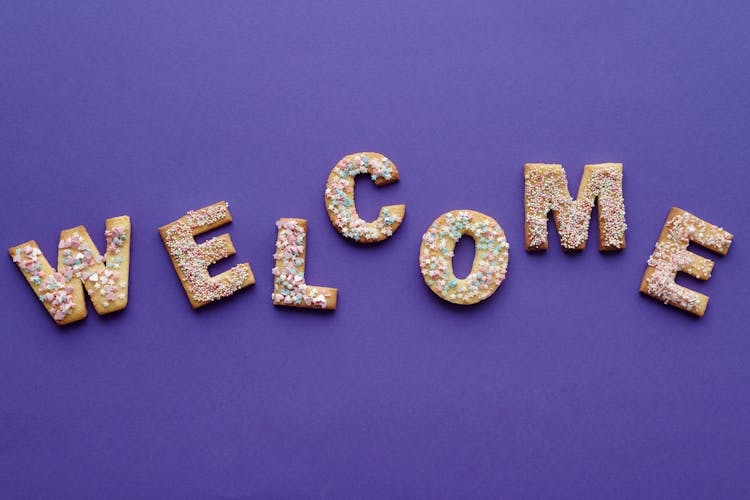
x,y
105,279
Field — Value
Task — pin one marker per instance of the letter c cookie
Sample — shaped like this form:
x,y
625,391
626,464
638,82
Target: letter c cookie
x,y
339,197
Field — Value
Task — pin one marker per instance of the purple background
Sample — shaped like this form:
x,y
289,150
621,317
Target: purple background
x,y
567,383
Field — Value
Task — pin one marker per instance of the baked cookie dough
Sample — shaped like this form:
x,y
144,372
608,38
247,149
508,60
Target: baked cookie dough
x,y
672,256
80,265
191,260
546,189
490,256
339,197
289,287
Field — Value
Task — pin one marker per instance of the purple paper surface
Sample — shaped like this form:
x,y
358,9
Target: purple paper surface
x,y
567,383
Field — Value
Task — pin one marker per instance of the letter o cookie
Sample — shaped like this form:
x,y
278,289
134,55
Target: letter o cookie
x,y
490,256
339,197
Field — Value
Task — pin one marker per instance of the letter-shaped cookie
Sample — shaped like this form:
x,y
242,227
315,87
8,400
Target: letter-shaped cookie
x,y
80,265
546,189
340,198
289,288
191,260
672,256
490,256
